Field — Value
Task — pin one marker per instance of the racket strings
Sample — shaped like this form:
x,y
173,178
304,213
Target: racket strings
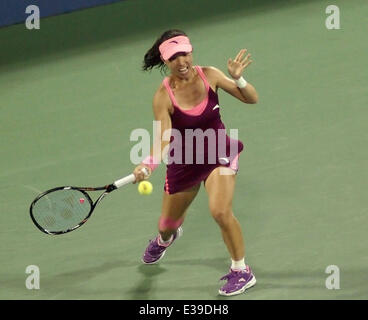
x,y
61,210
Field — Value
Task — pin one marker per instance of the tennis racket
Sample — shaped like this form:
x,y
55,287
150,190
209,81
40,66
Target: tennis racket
x,y
64,209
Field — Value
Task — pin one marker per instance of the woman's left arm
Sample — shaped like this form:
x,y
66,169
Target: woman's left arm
x,y
247,93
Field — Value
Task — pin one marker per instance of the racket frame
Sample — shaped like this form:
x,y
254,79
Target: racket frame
x,y
83,190
107,189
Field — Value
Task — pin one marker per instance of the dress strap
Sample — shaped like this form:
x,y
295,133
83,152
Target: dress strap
x,y
169,90
202,75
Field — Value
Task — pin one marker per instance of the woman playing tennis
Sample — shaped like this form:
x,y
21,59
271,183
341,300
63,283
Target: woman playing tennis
x,y
187,100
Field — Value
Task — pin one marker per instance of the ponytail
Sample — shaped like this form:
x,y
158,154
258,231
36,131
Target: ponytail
x,y
152,58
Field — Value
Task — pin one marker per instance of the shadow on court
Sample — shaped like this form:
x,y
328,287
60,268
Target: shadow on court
x,y
214,263
126,21
146,285
63,282
300,279
151,274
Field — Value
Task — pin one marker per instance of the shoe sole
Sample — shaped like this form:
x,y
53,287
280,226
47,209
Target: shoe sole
x,y
250,284
154,262
179,233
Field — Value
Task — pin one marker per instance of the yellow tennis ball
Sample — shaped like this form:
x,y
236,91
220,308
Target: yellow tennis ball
x,y
145,187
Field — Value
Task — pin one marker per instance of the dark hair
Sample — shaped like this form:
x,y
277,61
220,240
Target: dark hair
x,y
152,58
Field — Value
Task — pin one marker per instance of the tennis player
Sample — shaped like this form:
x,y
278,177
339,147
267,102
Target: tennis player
x,y
187,99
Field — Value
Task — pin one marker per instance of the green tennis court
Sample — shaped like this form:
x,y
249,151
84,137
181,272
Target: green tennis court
x,y
72,92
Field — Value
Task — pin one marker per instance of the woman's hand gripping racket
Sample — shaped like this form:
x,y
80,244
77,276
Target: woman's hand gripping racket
x,y
64,209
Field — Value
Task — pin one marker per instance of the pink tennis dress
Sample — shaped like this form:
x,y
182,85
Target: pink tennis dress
x,y
199,142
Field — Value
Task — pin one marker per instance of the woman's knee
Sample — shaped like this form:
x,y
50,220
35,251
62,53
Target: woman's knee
x,y
168,224
221,215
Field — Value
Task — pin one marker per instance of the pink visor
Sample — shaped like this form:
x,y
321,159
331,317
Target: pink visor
x,y
174,45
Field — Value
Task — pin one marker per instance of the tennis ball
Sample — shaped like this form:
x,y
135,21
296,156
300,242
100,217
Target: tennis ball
x,y
145,187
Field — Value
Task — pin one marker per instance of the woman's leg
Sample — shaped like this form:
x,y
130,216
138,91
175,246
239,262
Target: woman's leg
x,y
173,211
174,207
220,188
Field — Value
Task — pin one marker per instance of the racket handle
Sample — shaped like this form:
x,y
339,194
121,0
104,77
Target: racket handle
x,y
123,181
128,179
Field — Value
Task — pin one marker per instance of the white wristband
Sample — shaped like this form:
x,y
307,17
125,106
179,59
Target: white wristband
x,y
241,82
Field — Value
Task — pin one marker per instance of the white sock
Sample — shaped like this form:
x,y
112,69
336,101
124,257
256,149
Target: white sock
x,y
238,265
163,242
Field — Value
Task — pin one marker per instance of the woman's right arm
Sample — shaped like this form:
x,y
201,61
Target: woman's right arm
x,y
161,112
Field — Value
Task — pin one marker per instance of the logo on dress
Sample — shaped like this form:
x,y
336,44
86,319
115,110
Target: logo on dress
x,y
224,160
216,107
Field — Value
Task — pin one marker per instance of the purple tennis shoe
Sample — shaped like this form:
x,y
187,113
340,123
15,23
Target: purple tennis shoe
x,y
155,252
237,282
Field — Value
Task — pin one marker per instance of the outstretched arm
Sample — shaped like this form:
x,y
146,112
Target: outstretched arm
x,y
236,67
